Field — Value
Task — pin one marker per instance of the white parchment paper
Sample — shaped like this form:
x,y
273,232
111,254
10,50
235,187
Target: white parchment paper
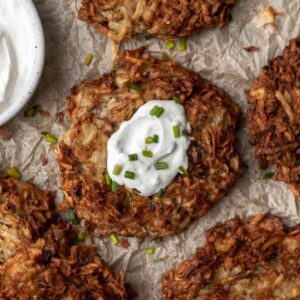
x,y
216,55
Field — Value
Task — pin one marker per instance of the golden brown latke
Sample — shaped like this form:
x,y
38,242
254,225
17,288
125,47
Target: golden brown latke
x,y
274,116
256,259
24,213
97,107
168,19
53,268
40,256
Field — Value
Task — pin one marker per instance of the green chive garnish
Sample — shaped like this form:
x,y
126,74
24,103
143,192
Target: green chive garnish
x,y
155,139
160,193
114,186
107,179
182,44
170,45
117,170
129,175
81,236
114,239
176,99
31,111
88,59
148,140
268,175
13,172
164,56
149,250
147,153
135,87
176,131
50,138
154,110
185,132
161,166
159,112
183,170
72,217
133,157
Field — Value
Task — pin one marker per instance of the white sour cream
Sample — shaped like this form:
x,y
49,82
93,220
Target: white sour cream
x,y
130,139
16,51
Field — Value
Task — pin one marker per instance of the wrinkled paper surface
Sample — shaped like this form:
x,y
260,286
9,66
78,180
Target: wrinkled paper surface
x,y
217,55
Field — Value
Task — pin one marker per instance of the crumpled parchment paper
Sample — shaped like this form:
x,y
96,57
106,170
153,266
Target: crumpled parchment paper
x,y
217,55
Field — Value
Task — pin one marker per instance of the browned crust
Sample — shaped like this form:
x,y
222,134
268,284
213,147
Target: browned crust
x,y
167,19
98,106
256,259
25,212
40,256
274,116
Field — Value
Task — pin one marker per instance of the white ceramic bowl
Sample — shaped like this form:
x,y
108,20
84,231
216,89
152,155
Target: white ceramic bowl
x,y
36,66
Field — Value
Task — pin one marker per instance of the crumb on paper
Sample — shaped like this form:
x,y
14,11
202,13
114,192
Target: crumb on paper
x,y
267,16
251,48
44,113
5,133
124,243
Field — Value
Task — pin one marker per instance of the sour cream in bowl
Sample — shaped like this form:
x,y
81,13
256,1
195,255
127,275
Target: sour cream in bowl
x,y
22,53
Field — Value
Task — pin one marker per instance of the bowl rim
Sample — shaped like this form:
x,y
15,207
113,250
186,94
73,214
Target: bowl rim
x,y
39,62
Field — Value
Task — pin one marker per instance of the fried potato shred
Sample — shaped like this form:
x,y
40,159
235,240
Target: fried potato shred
x,y
170,19
256,259
274,116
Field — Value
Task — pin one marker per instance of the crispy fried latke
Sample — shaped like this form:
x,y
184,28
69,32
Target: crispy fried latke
x,y
53,268
256,259
97,107
274,116
171,19
25,212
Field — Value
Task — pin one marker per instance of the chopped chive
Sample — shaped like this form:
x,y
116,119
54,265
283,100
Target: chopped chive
x,y
31,111
148,140
114,239
176,131
13,172
164,56
72,217
147,153
81,236
182,45
135,87
155,139
185,132
161,166
149,250
159,112
107,179
133,157
160,193
149,37
268,175
117,170
129,175
158,260
128,194
88,59
183,170
170,45
154,110
176,99
114,186
49,137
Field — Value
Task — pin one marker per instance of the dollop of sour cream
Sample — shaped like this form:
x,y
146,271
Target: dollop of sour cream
x,y
16,50
149,150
